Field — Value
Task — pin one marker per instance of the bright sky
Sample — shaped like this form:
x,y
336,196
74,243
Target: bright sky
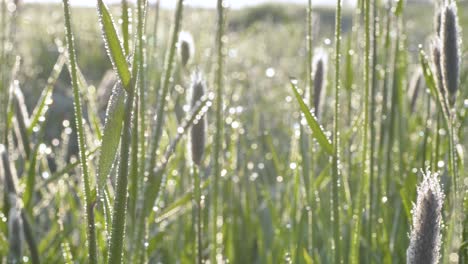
x,y
201,3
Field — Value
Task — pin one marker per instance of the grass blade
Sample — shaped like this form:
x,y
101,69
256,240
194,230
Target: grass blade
x,y
113,45
112,131
317,130
89,203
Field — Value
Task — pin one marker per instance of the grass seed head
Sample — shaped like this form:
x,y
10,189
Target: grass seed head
x,y
425,237
437,67
320,77
185,47
450,52
197,132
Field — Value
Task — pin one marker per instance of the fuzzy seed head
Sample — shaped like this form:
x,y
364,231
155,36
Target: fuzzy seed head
x,y
320,77
425,237
197,132
450,52
185,47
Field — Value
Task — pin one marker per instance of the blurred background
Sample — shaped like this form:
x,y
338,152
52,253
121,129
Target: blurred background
x,y
264,41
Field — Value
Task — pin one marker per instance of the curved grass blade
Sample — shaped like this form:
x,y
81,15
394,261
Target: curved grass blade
x,y
113,45
317,130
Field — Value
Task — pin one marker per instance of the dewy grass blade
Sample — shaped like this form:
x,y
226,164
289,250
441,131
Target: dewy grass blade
x,y
335,217
218,147
89,204
317,131
125,25
113,45
112,132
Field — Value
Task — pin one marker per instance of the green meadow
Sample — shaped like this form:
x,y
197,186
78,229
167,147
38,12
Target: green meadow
x,y
277,133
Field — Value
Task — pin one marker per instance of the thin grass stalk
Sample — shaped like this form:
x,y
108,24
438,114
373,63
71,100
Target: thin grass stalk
x,y
138,133
22,119
373,91
335,217
218,148
3,71
89,204
165,85
125,25
30,239
309,79
307,174
437,141
142,84
362,201
162,94
386,83
426,134
153,55
198,213
134,163
391,123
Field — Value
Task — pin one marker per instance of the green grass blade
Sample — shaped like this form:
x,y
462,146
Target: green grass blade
x,y
113,45
89,203
317,130
112,131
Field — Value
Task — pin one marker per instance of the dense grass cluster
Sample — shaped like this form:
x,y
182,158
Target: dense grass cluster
x,y
279,134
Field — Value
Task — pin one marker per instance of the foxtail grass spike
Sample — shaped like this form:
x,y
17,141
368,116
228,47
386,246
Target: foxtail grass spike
x,y
185,48
320,78
425,237
197,133
450,52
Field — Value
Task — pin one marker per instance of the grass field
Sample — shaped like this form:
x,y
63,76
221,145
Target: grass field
x,y
270,134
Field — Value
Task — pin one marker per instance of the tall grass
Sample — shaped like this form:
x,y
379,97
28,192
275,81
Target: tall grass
x,y
89,199
319,168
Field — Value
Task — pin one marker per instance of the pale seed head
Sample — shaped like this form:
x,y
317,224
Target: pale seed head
x,y
450,52
425,237
320,77
197,132
185,47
